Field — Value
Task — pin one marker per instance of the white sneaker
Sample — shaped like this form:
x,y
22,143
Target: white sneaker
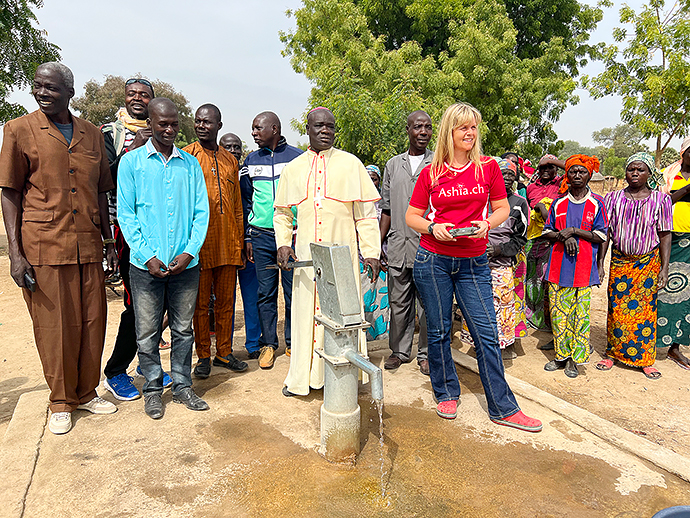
x,y
98,406
60,422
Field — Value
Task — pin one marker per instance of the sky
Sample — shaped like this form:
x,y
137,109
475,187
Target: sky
x,y
228,53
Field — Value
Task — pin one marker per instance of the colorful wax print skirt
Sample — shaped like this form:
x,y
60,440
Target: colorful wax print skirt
x,y
519,274
673,323
536,290
503,288
376,308
632,308
570,321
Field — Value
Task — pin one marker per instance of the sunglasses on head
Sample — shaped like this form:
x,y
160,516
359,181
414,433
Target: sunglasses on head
x,y
144,82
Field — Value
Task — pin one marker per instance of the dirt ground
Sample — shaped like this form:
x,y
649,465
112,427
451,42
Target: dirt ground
x,y
654,409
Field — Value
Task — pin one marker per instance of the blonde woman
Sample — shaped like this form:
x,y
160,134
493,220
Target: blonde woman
x,y
457,190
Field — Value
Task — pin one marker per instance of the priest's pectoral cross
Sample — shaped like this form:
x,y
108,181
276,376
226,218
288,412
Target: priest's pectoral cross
x,y
318,198
213,170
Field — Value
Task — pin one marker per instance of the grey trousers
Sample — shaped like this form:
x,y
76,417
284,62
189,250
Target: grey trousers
x,y
403,298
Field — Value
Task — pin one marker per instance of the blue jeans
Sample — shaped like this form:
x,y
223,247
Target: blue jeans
x,y
249,286
149,295
265,252
437,278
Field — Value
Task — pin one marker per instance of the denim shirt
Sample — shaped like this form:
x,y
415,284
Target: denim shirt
x,y
162,205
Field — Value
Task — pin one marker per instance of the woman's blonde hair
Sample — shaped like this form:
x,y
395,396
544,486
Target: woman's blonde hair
x,y
456,115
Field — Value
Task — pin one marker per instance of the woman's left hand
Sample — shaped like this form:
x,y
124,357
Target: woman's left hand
x,y
662,279
482,229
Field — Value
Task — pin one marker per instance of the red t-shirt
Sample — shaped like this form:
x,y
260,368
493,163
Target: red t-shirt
x,y
458,198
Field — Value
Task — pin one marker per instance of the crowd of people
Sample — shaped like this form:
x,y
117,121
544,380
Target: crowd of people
x,y
509,246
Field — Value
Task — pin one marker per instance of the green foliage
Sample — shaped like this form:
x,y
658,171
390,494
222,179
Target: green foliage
x,y
429,23
615,146
539,21
651,72
22,48
669,156
572,147
366,66
624,140
101,101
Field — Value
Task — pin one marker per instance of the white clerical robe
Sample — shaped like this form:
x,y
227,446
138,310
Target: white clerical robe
x,y
334,197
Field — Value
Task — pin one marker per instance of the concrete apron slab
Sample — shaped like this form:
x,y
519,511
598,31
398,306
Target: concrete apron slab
x,y
254,454
610,432
20,449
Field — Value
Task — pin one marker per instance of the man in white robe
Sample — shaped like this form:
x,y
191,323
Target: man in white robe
x,y
334,197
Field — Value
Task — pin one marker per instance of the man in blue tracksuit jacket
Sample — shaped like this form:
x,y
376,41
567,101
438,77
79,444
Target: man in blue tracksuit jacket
x,y
259,178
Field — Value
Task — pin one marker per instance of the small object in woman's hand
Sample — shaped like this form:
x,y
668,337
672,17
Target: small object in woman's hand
x,y
463,231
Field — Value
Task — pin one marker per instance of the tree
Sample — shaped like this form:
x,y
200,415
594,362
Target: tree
x,y
537,22
22,48
652,72
624,140
669,156
372,80
101,101
572,147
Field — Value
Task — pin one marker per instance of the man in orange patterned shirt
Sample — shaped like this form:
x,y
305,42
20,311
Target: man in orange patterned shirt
x,y
222,251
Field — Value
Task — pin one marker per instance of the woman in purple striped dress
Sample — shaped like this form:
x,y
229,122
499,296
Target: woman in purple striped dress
x,y
640,221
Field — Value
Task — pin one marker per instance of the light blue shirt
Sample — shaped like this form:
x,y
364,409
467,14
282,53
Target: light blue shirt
x,y
162,205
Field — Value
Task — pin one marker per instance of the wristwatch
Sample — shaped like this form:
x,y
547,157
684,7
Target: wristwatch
x,y
430,228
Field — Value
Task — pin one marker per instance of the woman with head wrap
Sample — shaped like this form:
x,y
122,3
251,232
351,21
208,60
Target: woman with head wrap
x,y
577,225
673,325
640,222
540,195
513,157
375,294
506,242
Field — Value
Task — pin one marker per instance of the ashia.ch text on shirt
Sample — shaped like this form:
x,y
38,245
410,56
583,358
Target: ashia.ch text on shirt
x,y
458,190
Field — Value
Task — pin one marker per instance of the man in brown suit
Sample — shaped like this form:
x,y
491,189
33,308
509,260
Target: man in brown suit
x,y
54,175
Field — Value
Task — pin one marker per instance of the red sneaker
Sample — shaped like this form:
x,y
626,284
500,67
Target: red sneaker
x,y
447,409
520,421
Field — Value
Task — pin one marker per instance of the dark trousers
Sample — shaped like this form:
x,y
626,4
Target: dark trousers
x,y
403,298
151,295
249,286
264,248
126,342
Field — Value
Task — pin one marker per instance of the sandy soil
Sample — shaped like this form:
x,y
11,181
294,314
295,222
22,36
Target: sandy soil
x,y
654,409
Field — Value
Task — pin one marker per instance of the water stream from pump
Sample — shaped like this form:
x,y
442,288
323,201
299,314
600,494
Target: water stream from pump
x,y
379,408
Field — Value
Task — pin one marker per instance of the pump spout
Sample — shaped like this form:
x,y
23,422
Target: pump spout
x,y
375,375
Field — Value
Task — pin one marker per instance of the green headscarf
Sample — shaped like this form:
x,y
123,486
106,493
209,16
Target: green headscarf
x,y
655,179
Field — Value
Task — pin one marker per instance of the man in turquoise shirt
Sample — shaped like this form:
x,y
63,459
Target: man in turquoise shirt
x,y
163,213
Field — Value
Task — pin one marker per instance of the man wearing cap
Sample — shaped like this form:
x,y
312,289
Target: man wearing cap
x,y
54,177
334,197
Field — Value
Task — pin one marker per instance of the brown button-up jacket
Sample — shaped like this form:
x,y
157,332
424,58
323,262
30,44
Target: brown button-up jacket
x,y
225,236
60,184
